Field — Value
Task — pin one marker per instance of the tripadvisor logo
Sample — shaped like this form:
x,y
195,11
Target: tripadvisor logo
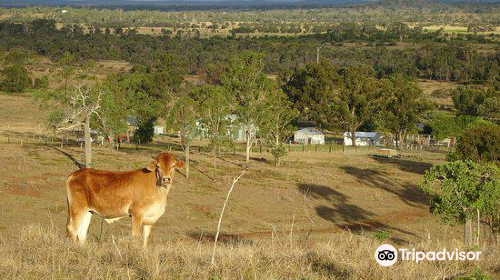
x,y
387,255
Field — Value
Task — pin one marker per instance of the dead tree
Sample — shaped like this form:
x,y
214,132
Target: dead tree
x,y
84,103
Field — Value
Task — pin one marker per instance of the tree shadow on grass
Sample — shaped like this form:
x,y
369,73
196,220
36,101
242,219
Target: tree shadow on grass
x,y
227,238
74,160
340,208
346,215
405,165
408,193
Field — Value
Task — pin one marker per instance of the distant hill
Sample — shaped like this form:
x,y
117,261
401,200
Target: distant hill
x,y
229,3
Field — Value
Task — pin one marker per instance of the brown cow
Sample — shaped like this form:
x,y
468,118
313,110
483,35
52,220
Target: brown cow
x,y
140,194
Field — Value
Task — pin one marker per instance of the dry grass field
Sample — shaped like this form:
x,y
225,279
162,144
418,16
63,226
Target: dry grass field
x,y
316,217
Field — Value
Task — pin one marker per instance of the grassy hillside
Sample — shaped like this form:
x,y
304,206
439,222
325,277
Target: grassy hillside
x,y
317,216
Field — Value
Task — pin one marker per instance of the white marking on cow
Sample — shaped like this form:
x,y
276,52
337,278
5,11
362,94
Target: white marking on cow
x,y
110,221
83,228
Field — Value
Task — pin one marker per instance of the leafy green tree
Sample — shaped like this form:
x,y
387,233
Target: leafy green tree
x,y
358,99
441,125
183,117
15,79
145,131
141,94
113,121
476,101
214,107
480,144
246,82
404,106
462,190
312,91
278,125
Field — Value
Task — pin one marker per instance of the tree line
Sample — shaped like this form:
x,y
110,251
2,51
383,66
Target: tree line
x,y
431,57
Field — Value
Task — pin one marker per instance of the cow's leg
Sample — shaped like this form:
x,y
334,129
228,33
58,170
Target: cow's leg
x,y
146,232
75,217
84,227
136,226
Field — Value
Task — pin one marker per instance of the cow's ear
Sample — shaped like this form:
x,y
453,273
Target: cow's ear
x,y
179,164
152,166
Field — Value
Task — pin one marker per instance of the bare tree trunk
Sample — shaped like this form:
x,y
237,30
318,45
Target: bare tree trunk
x,y
277,159
399,140
248,149
353,138
88,143
111,137
187,159
468,231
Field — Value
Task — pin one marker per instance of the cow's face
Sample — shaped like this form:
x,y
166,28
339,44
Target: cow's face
x,y
164,167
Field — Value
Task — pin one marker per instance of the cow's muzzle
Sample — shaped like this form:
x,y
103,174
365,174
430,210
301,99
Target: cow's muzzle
x,y
161,181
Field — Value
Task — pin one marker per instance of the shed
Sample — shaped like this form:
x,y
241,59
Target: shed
x,y
308,136
158,129
362,138
238,131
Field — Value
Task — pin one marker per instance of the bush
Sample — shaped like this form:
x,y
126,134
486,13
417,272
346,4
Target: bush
x,y
481,144
16,79
145,132
41,83
381,235
278,151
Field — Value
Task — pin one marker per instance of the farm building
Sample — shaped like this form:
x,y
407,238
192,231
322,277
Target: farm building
x,y
235,130
362,138
158,129
238,131
309,135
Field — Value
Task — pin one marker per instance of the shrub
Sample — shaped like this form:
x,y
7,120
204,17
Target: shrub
x,y
41,83
145,132
381,235
481,144
16,79
278,151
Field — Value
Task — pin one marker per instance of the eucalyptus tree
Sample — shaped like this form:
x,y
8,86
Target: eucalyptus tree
x,y
462,190
278,126
403,107
214,108
183,117
245,81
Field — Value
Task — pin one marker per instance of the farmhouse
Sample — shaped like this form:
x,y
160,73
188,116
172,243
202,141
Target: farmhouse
x,y
362,138
308,136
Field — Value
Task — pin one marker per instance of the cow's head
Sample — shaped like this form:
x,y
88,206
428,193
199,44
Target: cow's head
x,y
164,167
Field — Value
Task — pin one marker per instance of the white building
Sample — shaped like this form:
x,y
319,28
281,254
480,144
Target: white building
x,y
308,136
238,131
362,138
158,129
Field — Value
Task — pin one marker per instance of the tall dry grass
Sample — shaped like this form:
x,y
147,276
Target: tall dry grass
x,y
40,253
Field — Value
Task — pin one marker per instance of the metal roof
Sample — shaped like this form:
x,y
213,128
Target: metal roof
x,y
359,134
310,130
